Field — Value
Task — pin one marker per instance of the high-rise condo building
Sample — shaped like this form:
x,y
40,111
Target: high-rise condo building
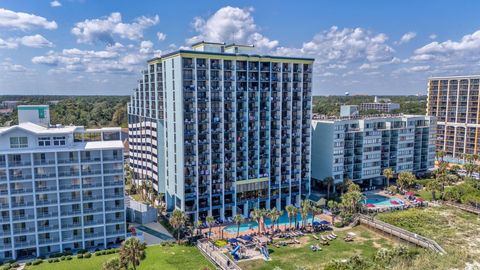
x,y
220,130
454,101
61,187
360,149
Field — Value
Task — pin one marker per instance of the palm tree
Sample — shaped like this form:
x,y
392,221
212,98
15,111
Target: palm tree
x,y
433,186
198,225
144,189
210,220
238,219
178,220
112,264
132,251
304,211
295,214
290,212
388,174
346,182
329,181
469,168
161,208
273,214
316,209
405,180
440,155
280,213
257,214
332,206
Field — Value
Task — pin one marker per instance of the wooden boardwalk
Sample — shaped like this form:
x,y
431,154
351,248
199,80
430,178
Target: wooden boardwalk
x,y
214,255
405,235
467,208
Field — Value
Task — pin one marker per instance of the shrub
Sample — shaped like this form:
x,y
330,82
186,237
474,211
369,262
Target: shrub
x,y
50,261
6,267
79,256
37,262
82,251
15,265
338,224
28,263
62,258
87,255
69,258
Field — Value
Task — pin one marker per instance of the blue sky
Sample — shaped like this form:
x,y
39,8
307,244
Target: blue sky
x,y
364,47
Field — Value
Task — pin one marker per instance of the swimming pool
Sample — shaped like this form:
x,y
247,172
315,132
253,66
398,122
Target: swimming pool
x,y
382,201
283,220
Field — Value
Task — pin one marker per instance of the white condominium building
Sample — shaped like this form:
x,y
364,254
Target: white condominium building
x,y
61,188
360,149
220,130
454,101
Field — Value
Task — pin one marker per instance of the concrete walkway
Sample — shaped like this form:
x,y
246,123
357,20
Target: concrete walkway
x,y
154,233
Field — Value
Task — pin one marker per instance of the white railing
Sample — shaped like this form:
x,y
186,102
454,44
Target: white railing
x,y
216,256
401,233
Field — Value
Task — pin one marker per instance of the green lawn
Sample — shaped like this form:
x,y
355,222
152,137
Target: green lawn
x,y
302,257
158,257
458,232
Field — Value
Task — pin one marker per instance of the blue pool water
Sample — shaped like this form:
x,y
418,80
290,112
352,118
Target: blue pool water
x,y
382,201
283,220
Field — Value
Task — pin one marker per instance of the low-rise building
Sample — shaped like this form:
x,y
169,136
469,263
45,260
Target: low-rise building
x,y
61,188
360,149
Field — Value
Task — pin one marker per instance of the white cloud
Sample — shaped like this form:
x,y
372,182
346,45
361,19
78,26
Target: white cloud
x,y
8,44
8,66
55,3
407,37
231,25
468,43
12,20
106,28
161,36
146,46
432,36
35,41
116,58
344,46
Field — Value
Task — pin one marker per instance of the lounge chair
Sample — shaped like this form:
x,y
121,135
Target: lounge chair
x,y
314,236
323,238
334,234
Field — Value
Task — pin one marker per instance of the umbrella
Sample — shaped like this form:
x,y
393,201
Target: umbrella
x,y
394,202
247,237
324,222
316,223
370,205
410,193
232,240
420,200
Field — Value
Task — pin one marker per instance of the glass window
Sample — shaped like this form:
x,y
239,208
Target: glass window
x,y
44,141
18,142
59,140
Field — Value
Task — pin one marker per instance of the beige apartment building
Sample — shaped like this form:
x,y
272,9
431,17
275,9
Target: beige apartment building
x,y
454,101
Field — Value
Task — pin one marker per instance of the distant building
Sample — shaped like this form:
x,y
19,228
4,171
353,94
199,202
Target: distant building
x,y
61,188
379,104
349,110
360,149
454,101
220,130
38,114
12,104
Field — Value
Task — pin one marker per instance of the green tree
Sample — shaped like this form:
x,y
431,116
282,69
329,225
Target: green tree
x,y
388,174
238,219
178,220
257,214
329,181
433,186
405,180
132,251
210,221
291,211
304,211
112,264
333,207
274,215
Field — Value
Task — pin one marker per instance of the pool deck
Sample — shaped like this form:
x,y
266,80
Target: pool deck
x,y
385,194
219,230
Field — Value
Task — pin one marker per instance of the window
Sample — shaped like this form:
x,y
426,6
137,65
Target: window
x,y
59,140
44,141
18,142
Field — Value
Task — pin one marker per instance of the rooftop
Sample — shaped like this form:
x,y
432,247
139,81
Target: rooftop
x,y
332,119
